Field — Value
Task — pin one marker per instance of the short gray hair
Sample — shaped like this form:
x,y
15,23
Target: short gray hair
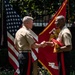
x,y
60,17
27,18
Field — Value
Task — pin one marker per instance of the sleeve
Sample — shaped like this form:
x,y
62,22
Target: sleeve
x,y
30,39
67,39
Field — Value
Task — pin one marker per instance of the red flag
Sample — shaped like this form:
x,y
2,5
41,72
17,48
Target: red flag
x,y
46,56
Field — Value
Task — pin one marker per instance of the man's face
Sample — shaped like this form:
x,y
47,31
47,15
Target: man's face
x,y
29,24
57,22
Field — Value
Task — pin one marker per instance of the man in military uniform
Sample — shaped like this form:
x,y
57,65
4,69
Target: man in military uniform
x,y
24,42
65,38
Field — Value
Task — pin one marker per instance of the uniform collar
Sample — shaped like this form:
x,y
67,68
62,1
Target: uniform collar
x,y
24,27
64,27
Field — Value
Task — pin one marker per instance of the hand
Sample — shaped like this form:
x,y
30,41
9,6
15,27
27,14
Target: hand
x,y
43,44
50,43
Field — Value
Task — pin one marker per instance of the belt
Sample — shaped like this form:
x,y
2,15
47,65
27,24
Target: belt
x,y
24,51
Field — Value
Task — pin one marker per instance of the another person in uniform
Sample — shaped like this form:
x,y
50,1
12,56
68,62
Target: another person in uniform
x,y
65,38
24,42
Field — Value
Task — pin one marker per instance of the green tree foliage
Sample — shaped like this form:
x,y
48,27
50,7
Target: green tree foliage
x,y
42,7
35,7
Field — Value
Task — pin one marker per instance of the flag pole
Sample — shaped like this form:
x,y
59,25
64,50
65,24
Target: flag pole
x,y
2,26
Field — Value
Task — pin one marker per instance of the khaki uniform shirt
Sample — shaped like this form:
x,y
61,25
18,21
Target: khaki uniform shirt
x,y
23,39
65,36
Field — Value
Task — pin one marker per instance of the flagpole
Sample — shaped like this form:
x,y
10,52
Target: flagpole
x,y
2,26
